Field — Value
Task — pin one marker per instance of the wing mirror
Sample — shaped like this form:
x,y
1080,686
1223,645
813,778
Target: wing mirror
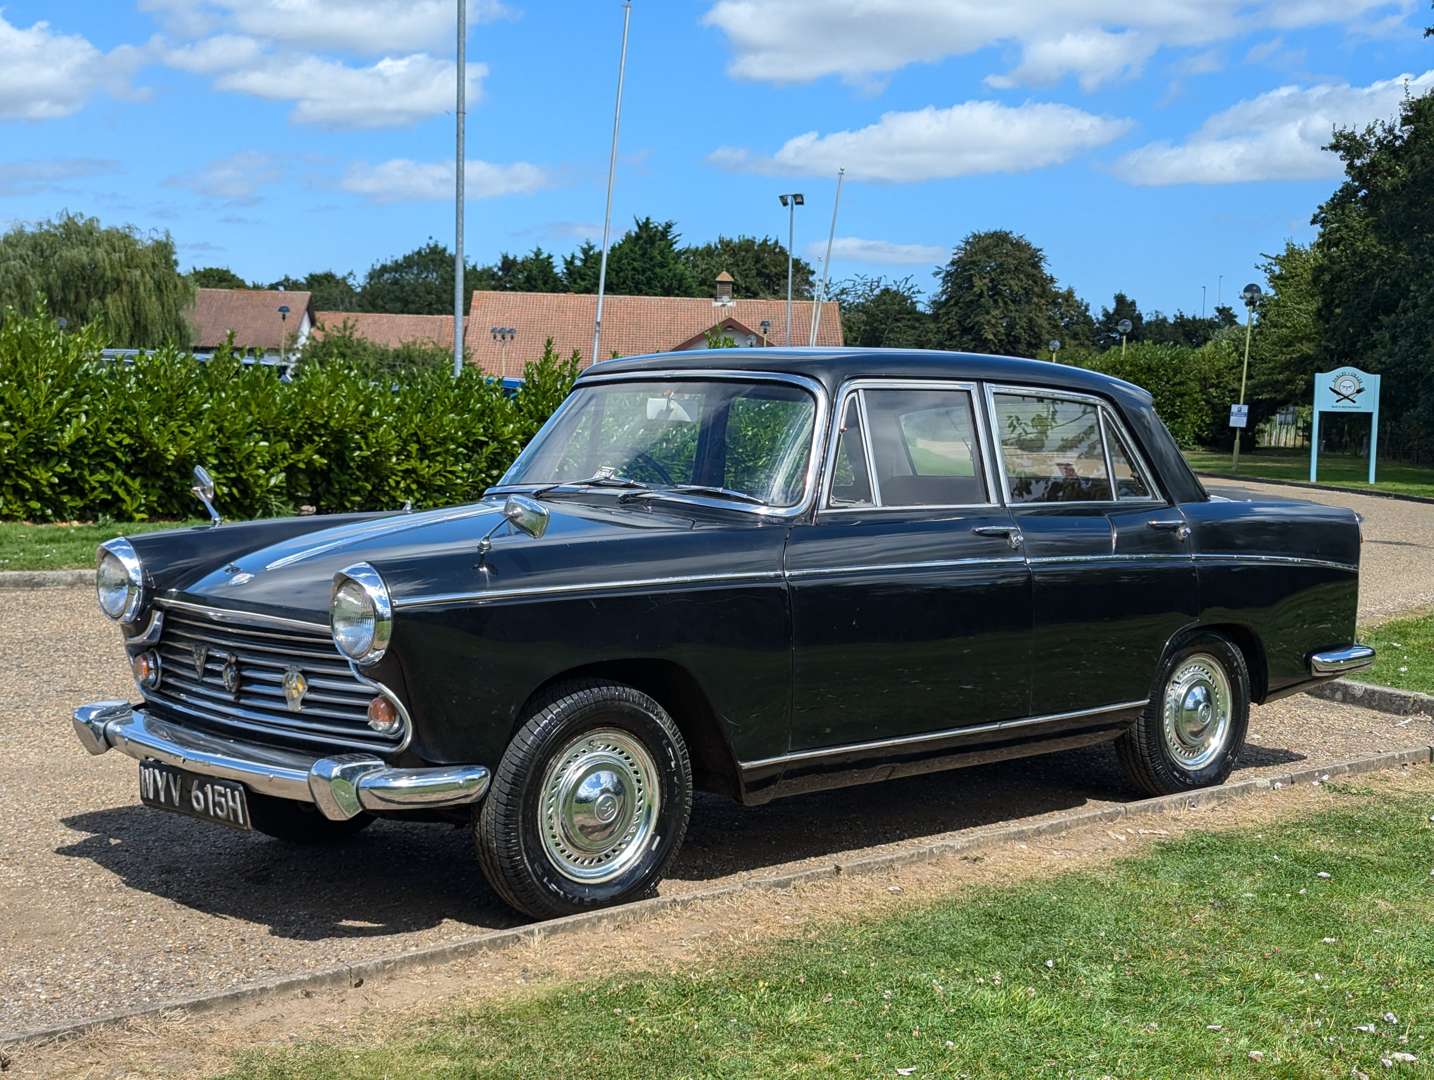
x,y
204,491
527,514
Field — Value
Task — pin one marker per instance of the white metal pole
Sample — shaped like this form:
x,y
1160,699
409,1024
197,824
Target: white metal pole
x,y
458,191
611,175
826,263
791,238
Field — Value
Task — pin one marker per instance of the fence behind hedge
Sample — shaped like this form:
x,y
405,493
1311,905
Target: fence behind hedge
x,y
82,438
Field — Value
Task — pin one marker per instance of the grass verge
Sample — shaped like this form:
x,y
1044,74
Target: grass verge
x,y
1295,950
1341,470
1404,654
64,547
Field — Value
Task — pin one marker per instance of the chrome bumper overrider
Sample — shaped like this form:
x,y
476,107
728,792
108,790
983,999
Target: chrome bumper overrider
x,y
340,786
1342,661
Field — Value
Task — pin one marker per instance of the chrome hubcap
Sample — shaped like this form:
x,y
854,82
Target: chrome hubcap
x,y
599,805
1196,711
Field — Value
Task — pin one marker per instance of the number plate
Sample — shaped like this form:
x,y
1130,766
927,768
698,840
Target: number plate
x,y
167,788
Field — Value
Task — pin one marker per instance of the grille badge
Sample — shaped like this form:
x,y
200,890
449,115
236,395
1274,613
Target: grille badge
x,y
295,687
201,658
231,675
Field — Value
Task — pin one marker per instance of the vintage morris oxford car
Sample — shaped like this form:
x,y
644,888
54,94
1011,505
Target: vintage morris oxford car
x,y
753,572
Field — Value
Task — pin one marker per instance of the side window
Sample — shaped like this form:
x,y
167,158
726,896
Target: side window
x,y
924,447
1051,449
1129,483
851,486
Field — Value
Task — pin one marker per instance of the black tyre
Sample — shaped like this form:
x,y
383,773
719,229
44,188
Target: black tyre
x,y
299,822
1191,733
589,804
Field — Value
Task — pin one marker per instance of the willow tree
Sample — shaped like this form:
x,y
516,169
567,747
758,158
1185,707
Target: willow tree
x,y
125,283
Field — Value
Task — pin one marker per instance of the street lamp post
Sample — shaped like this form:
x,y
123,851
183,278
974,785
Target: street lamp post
x,y
1251,294
502,335
1124,326
1055,347
791,201
766,327
283,319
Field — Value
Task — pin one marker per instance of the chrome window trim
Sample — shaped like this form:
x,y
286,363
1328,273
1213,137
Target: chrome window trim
x,y
866,382
937,736
478,597
814,454
1103,409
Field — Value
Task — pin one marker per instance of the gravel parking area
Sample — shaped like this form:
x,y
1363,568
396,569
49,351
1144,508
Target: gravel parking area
x,y
107,906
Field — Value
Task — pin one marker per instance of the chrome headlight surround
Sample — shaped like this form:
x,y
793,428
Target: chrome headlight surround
x,y
360,614
119,580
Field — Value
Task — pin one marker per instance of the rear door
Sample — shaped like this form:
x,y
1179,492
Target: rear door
x,y
1112,574
911,599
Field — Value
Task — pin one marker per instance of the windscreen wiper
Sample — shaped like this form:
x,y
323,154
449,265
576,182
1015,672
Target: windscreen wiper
x,y
604,477
694,489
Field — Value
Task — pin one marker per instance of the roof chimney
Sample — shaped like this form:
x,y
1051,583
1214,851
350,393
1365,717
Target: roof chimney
x,y
722,289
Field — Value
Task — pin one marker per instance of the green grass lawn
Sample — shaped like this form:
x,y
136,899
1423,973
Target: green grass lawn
x,y
63,547
1178,963
1342,470
1405,654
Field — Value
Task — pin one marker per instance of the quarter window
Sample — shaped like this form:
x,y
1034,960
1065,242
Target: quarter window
x,y
1051,448
851,484
1129,484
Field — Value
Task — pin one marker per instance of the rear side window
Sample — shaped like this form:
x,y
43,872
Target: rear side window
x,y
1051,449
924,447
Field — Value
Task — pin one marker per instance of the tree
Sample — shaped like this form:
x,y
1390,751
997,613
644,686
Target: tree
x,y
996,296
1121,307
126,283
1288,347
758,267
646,262
1071,316
534,272
329,291
881,314
418,283
216,277
580,269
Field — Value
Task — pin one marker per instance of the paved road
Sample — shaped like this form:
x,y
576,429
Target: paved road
x,y
106,905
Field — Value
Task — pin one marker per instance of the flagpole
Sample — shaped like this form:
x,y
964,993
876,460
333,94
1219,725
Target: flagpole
x,y
611,175
458,191
827,262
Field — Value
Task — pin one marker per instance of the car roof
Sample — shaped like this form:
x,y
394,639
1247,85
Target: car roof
x,y
832,367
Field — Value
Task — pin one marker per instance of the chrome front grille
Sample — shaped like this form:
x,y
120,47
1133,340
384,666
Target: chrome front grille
x,y
195,651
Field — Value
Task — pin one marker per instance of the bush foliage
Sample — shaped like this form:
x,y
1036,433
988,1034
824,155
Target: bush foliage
x,y
82,438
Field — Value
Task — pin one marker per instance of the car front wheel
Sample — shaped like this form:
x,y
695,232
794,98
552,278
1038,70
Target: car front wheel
x,y
589,804
1193,728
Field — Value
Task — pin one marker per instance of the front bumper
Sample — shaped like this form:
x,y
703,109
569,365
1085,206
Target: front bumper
x,y
1333,662
340,786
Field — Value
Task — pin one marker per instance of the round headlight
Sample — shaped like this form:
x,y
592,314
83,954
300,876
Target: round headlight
x,y
360,616
119,580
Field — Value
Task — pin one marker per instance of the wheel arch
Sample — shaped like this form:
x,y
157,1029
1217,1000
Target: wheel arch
x,y
714,766
1244,638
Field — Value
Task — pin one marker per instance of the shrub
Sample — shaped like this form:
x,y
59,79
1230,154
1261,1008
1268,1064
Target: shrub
x,y
84,438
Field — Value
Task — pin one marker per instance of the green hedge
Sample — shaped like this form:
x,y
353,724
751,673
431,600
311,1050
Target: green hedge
x,y
82,438
1193,388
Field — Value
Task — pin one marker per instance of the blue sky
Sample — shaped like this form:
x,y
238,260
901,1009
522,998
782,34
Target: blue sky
x,y
1148,147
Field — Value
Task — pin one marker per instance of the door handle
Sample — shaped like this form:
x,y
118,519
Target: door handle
x,y
1010,532
1175,525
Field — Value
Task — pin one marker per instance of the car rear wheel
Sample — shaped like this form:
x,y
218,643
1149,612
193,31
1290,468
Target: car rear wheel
x,y
1193,729
301,823
589,804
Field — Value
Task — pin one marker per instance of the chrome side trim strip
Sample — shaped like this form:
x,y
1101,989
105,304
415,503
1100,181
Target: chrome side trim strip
x,y
931,564
937,736
243,618
1112,557
1279,560
438,599
1342,661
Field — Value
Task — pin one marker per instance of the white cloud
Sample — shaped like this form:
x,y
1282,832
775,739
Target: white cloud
x,y
932,143
1279,135
33,177
402,180
855,249
45,75
786,41
391,92
373,27
235,180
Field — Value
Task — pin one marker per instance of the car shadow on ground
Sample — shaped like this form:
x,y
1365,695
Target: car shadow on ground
x,y
396,878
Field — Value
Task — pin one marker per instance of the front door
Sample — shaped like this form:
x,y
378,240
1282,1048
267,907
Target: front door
x,y
911,599
1112,576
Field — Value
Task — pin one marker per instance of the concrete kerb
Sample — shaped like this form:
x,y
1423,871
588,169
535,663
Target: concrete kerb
x,y
1383,699
355,975
1373,493
46,579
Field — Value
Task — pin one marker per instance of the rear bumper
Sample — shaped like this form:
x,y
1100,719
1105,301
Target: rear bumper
x,y
340,786
1341,661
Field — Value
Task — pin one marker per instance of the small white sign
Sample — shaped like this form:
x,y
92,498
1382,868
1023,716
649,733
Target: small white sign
x,y
1239,415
